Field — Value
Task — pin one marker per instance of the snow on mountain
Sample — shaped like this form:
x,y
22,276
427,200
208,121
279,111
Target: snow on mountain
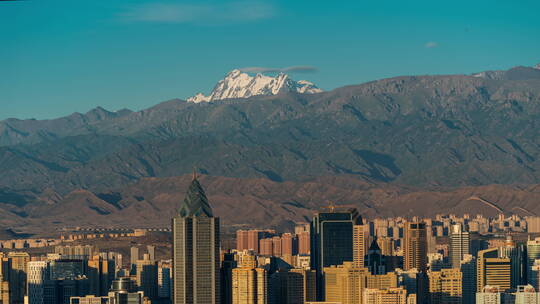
x,y
537,66
241,85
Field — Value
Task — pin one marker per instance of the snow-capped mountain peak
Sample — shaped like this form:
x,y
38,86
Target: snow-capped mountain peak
x,y
238,84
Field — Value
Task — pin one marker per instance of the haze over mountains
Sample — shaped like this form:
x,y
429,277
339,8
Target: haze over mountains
x,y
413,134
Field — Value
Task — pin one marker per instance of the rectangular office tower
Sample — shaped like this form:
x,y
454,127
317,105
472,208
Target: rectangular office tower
x,y
459,245
415,246
332,241
195,250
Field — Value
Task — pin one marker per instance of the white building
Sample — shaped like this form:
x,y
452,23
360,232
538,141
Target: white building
x,y
37,273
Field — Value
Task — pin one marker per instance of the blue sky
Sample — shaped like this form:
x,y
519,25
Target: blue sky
x,y
59,57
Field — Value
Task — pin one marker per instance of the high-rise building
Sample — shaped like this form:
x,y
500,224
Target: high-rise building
x,y
459,245
492,270
100,273
533,224
286,287
385,296
277,246
331,241
241,240
288,244
266,246
303,242
196,243
228,263
514,252
387,246
164,282
309,283
344,283
445,286
533,253
18,276
249,285
415,246
374,260
151,252
133,258
37,274
533,275
360,234
468,268
147,277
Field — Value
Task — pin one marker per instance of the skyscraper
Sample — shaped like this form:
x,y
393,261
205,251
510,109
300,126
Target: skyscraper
x,y
459,245
17,278
37,274
331,241
492,270
415,246
147,276
468,268
196,243
134,257
359,244
533,253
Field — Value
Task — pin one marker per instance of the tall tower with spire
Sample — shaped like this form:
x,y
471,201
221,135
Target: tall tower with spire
x,y
196,247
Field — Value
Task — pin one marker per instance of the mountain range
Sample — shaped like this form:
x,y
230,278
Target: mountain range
x,y
412,134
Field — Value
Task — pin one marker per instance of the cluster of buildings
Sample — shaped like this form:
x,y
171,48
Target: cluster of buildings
x,y
337,258
81,275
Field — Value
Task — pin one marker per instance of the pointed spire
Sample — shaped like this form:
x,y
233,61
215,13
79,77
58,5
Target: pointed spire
x,y
195,176
195,202
374,245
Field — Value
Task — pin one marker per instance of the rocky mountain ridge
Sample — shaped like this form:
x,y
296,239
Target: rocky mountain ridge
x,y
424,132
238,84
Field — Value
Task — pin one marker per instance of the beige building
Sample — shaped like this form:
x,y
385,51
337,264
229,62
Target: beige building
x,y
445,286
249,286
344,283
492,270
386,244
359,245
382,281
385,296
415,246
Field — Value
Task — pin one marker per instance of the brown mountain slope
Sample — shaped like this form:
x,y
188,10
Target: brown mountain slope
x,y
151,202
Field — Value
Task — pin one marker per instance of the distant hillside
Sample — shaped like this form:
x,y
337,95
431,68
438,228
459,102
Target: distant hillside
x,y
423,132
151,202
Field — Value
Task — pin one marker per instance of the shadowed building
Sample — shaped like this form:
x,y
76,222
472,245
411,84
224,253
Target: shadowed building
x,y
331,242
196,258
415,246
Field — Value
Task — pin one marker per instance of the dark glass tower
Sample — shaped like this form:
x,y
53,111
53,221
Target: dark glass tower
x,y
196,262
331,241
